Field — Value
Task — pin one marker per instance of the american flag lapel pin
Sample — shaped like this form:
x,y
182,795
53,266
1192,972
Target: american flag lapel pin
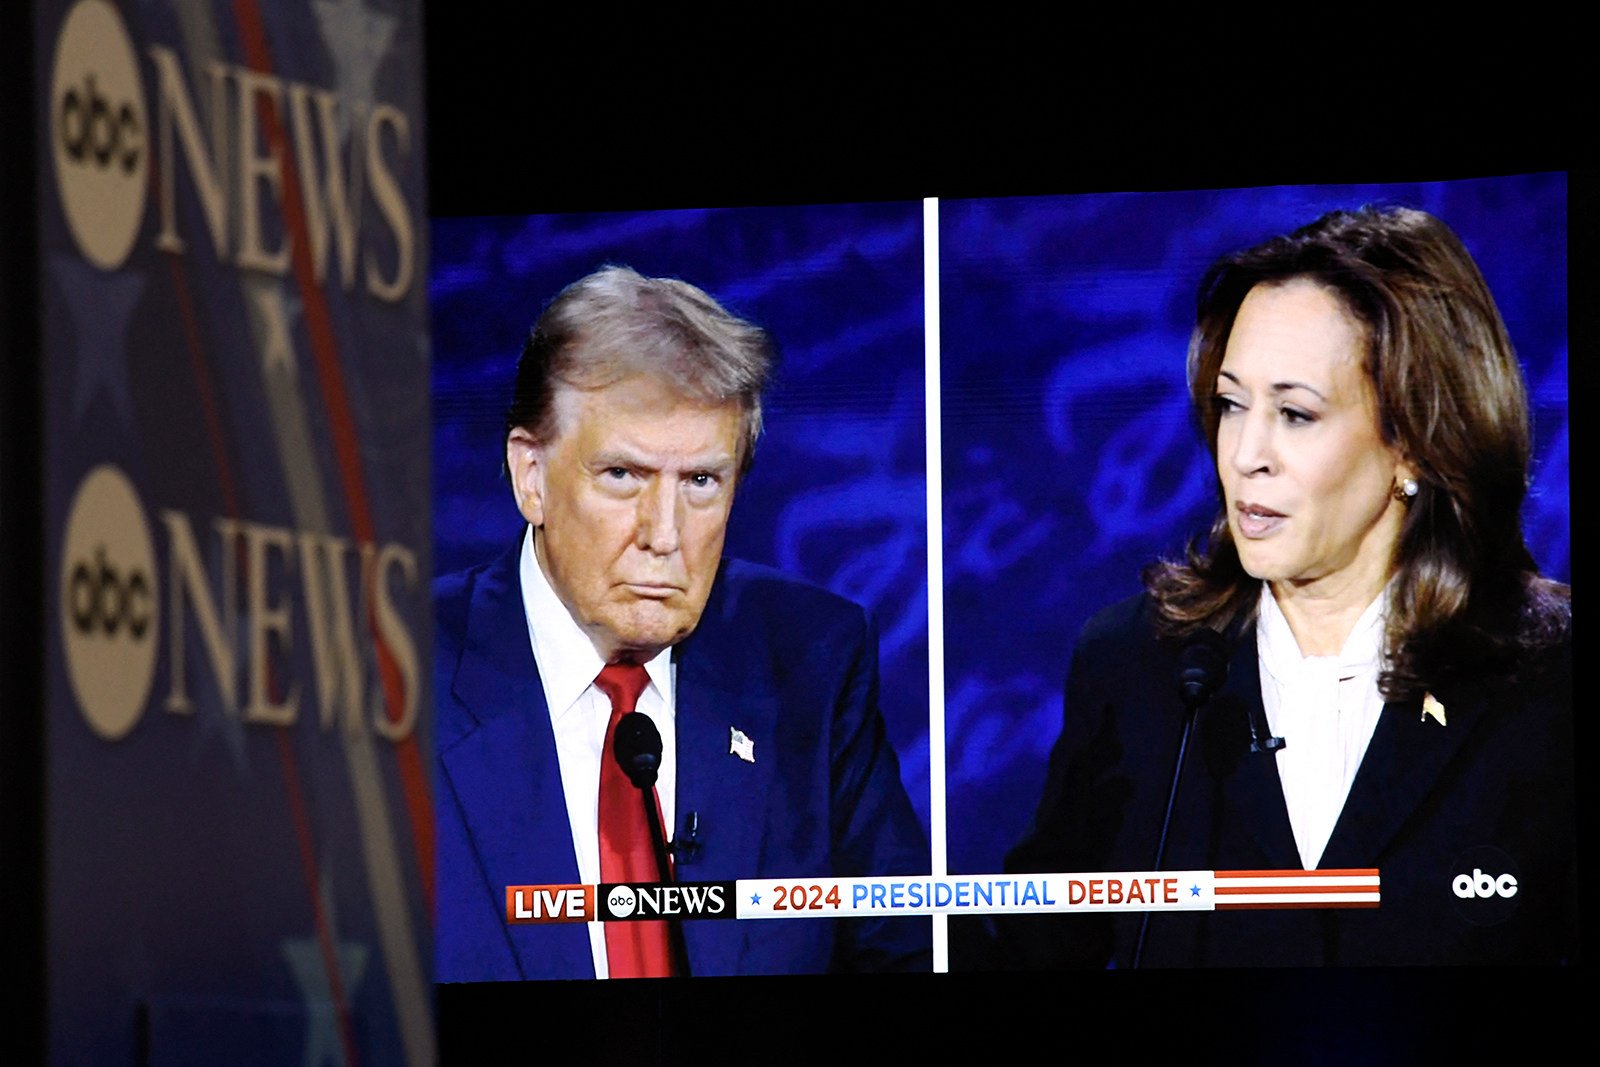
x,y
739,744
1432,708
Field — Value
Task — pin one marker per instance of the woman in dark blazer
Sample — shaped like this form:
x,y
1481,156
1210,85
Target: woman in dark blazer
x,y
1398,688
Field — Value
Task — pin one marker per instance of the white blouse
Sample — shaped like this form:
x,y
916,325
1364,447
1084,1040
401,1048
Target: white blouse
x,y
1326,709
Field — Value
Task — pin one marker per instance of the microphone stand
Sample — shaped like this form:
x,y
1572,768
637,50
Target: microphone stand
x,y
637,748
1191,712
658,838
1202,668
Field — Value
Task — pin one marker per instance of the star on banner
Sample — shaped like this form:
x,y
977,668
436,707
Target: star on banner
x,y
305,959
359,41
271,317
101,308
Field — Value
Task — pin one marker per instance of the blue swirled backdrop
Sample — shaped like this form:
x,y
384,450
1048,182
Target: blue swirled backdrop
x,y
1070,460
838,491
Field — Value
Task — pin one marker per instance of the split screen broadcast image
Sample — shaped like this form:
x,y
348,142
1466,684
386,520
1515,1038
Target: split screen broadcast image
x,y
1230,526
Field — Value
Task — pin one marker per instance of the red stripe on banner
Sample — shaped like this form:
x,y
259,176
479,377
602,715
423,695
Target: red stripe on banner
x,y
291,772
1234,890
1241,906
1332,872
325,353
308,864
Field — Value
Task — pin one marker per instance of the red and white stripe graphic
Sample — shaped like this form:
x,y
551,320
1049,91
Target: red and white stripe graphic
x,y
1333,888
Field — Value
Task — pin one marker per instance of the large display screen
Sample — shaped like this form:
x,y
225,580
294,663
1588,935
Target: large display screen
x,y
1014,370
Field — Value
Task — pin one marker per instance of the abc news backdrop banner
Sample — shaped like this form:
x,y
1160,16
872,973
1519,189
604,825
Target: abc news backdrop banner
x,y
234,255
1070,456
838,492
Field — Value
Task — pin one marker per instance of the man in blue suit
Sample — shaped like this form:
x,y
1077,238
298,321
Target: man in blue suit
x,y
636,408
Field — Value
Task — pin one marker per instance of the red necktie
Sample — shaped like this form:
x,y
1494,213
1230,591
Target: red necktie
x,y
633,949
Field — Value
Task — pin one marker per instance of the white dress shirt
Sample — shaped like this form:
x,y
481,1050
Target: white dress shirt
x,y
579,713
1326,709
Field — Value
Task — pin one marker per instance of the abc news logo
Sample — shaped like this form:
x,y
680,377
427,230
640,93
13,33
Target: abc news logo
x,y
94,134
100,600
1478,884
107,141
620,902
109,605
686,900
98,132
1487,886
273,590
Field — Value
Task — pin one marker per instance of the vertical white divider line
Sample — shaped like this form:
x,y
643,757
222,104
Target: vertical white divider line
x,y
935,479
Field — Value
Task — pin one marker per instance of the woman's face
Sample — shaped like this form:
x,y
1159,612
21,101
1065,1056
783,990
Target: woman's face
x,y
1305,474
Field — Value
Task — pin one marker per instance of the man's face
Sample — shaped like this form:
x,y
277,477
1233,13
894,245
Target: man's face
x,y
631,503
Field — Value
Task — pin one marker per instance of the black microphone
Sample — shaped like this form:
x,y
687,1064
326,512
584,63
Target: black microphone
x,y
686,849
1261,736
1202,667
637,746
1202,670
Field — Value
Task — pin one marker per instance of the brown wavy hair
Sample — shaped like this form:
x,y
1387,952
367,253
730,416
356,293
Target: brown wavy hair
x,y
1451,401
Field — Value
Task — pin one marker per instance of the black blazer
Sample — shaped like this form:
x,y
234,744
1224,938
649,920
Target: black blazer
x,y
1491,791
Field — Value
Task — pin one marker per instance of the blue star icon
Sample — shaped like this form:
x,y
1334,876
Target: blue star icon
x,y
755,898
1194,891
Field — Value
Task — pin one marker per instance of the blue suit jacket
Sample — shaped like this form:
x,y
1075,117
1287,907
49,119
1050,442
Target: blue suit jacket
x,y
1493,790
793,666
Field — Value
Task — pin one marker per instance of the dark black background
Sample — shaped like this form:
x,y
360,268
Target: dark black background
x,y
551,110
546,109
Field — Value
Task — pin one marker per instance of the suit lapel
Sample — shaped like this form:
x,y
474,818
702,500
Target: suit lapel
x,y
719,689
505,774
1402,765
1252,791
